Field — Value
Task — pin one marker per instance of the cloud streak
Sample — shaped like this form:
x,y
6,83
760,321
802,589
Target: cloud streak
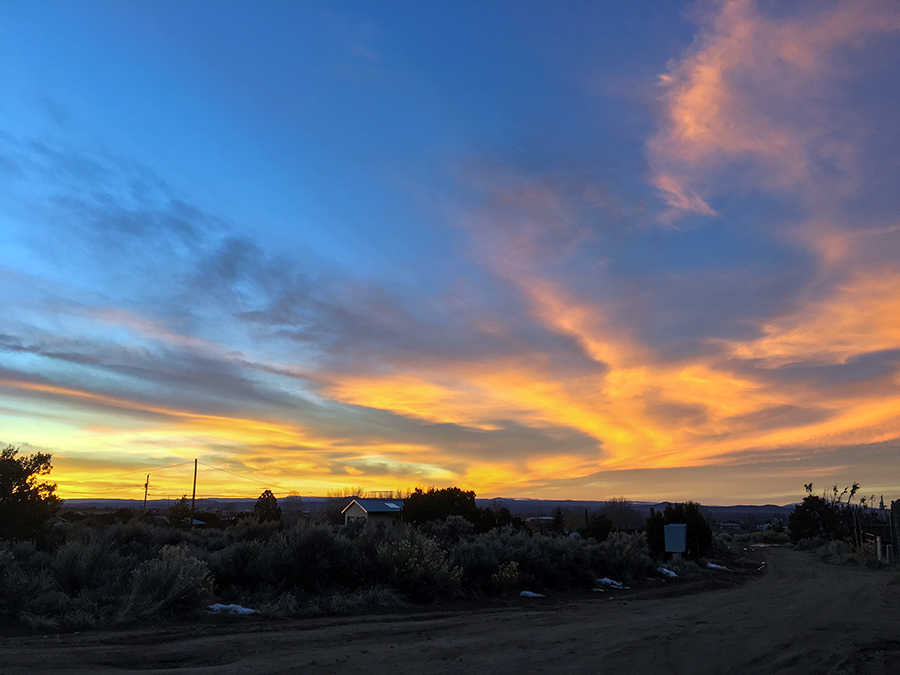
x,y
757,90
500,318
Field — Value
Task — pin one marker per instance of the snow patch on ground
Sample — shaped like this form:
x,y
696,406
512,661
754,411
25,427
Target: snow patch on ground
x,y
529,594
219,608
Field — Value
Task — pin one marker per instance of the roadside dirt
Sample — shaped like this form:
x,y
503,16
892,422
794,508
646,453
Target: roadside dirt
x,y
799,616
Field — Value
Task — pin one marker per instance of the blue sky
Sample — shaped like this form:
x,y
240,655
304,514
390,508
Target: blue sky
x,y
530,249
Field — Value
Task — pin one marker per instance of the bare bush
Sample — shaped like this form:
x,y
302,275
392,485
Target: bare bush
x,y
175,582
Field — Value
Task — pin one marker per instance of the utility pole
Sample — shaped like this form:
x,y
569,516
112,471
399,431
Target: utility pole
x,y
146,487
194,493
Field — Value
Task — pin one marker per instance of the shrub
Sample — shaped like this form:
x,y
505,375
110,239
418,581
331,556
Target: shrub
x,y
837,551
418,567
141,539
686,569
238,565
506,578
552,562
252,528
175,582
311,557
449,531
727,546
770,537
285,605
479,559
24,583
83,565
626,557
30,593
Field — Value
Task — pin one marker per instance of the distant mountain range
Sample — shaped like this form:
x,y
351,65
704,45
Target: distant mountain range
x,y
519,507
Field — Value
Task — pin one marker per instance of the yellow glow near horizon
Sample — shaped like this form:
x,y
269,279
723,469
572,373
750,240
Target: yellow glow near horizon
x,y
642,413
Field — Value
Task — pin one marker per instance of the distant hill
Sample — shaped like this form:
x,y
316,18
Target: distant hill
x,y
543,507
519,507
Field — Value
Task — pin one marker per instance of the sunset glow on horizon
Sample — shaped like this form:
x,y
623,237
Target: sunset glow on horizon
x,y
559,251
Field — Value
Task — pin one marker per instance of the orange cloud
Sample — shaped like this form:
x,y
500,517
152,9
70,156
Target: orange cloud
x,y
861,316
613,405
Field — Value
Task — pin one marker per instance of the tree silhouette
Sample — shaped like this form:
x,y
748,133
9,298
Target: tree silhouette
x,y
179,514
699,533
25,504
267,507
598,526
622,514
420,507
828,516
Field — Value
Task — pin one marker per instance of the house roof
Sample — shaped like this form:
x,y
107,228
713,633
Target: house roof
x,y
377,505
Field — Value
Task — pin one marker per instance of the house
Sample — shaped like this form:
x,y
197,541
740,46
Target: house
x,y
373,510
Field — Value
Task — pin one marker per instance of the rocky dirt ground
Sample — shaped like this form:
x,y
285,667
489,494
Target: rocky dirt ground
x,y
798,615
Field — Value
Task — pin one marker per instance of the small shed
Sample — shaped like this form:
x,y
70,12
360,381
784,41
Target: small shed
x,y
373,510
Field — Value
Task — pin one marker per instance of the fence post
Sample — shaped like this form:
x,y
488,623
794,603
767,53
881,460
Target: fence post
x,y
895,526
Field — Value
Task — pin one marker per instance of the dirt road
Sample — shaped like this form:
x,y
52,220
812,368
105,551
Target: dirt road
x,y
801,616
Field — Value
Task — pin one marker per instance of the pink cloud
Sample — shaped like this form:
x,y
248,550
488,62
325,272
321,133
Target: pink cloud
x,y
762,89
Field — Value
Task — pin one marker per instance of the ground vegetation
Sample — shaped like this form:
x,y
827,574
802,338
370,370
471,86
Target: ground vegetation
x,y
127,567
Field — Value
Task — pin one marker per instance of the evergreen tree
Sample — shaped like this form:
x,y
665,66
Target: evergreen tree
x,y
699,533
25,503
420,507
267,507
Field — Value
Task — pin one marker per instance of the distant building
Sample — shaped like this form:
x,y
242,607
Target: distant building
x,y
373,510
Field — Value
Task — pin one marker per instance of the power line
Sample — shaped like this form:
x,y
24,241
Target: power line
x,y
267,484
108,489
129,473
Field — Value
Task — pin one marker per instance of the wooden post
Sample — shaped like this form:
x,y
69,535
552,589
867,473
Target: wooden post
x,y
194,493
895,527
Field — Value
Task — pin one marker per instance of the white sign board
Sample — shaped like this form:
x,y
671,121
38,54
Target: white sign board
x,y
676,538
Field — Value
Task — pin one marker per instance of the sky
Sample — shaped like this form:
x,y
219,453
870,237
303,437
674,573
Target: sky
x,y
561,250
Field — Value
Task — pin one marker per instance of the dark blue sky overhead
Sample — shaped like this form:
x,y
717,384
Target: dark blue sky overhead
x,y
530,249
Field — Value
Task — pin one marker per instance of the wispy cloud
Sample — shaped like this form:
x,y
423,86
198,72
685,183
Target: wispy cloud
x,y
754,97
524,328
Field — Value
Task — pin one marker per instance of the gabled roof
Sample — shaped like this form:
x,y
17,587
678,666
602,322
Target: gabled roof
x,y
377,505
